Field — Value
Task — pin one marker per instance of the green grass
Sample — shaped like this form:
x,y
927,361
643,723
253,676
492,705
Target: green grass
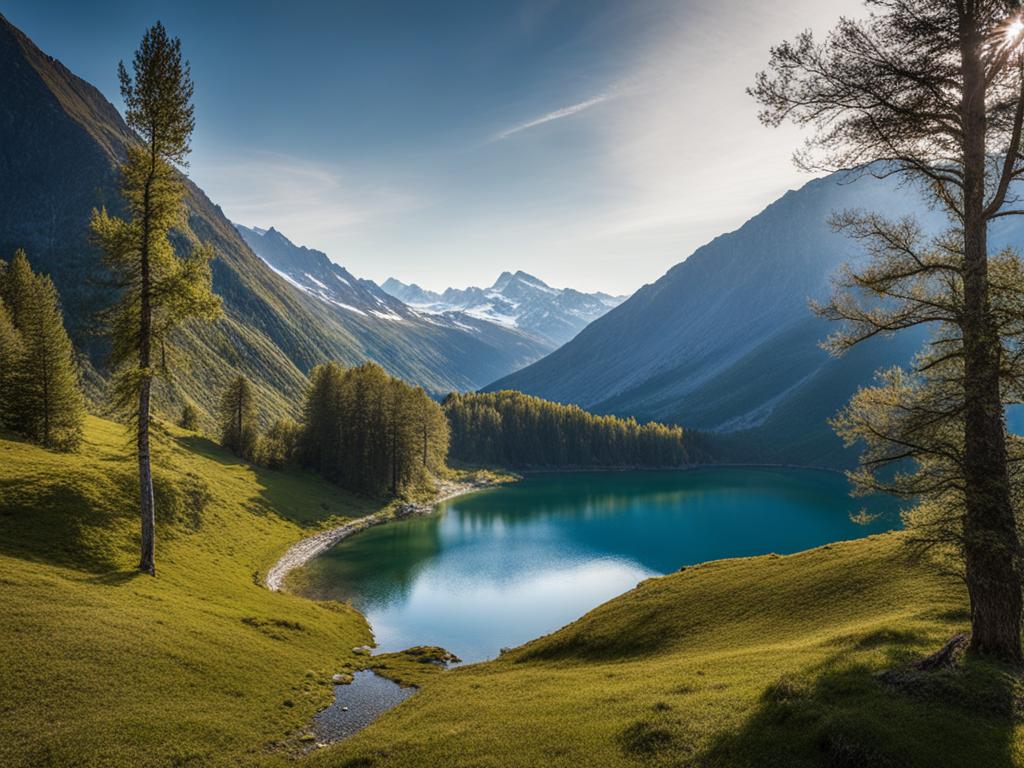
x,y
200,666
767,661
761,662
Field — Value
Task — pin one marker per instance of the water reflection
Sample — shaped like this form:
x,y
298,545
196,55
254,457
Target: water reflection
x,y
502,566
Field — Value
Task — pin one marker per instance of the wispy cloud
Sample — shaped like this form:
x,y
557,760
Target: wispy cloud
x,y
313,203
558,114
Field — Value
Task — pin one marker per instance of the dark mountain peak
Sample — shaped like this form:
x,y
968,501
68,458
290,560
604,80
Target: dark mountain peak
x,y
725,342
527,277
503,280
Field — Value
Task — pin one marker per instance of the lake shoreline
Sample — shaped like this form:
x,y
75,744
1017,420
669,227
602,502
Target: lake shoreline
x,y
684,468
304,550
602,532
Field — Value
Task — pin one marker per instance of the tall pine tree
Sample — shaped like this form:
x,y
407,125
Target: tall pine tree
x,y
159,289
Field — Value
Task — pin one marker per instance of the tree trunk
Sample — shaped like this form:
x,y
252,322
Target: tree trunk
x,y
147,506
991,545
147,561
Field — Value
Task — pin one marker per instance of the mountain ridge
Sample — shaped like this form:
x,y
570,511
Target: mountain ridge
x,y
62,142
516,300
725,341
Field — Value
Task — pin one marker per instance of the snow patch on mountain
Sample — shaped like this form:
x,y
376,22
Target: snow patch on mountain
x,y
515,300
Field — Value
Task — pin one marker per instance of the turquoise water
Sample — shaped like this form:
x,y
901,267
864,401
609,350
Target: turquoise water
x,y
505,565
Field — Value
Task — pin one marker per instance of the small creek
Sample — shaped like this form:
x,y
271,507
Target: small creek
x,y
356,705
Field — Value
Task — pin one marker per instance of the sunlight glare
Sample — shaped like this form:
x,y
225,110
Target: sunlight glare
x,y
1014,30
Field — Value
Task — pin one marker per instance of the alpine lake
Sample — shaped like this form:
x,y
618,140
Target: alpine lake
x,y
501,566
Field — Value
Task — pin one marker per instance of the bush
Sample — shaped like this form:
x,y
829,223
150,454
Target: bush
x,y
278,447
189,418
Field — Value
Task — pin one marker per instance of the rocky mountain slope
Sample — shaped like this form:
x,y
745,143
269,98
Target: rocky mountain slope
x,y
725,341
60,143
515,300
362,302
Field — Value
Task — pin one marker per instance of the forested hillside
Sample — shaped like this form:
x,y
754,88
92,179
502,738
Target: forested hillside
x,y
515,430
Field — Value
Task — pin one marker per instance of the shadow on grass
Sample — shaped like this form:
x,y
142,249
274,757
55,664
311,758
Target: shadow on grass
x,y
840,715
89,520
62,522
293,494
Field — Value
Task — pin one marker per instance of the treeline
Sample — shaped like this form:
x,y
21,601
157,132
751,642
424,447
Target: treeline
x,y
515,430
360,428
40,393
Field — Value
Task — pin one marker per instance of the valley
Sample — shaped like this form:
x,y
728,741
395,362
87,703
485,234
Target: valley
x,y
272,497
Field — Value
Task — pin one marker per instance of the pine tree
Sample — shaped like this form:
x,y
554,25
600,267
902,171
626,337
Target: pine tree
x,y
369,432
512,429
238,418
11,351
46,390
40,393
159,289
18,285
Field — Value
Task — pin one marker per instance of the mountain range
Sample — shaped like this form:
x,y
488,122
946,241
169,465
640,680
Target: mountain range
x,y
61,143
725,341
516,300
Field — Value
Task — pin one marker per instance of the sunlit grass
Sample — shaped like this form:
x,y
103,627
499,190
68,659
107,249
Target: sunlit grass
x,y
201,666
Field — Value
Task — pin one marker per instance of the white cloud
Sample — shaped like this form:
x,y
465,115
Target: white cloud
x,y
557,114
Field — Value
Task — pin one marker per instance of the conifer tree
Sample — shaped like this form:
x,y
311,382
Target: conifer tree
x,y
160,289
18,285
509,428
369,432
238,418
47,389
39,383
11,351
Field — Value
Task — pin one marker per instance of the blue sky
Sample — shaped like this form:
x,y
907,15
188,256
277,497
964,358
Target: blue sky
x,y
592,143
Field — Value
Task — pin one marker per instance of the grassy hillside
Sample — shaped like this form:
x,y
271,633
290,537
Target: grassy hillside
x,y
757,662
100,666
764,661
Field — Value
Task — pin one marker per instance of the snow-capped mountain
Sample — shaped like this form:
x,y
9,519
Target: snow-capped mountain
x,y
515,300
311,271
391,332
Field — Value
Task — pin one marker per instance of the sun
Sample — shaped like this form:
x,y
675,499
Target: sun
x,y
1014,30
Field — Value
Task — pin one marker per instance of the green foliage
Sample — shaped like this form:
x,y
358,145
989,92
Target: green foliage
x,y
158,290
158,101
911,423
278,446
509,428
11,351
100,666
370,432
238,431
39,381
189,418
